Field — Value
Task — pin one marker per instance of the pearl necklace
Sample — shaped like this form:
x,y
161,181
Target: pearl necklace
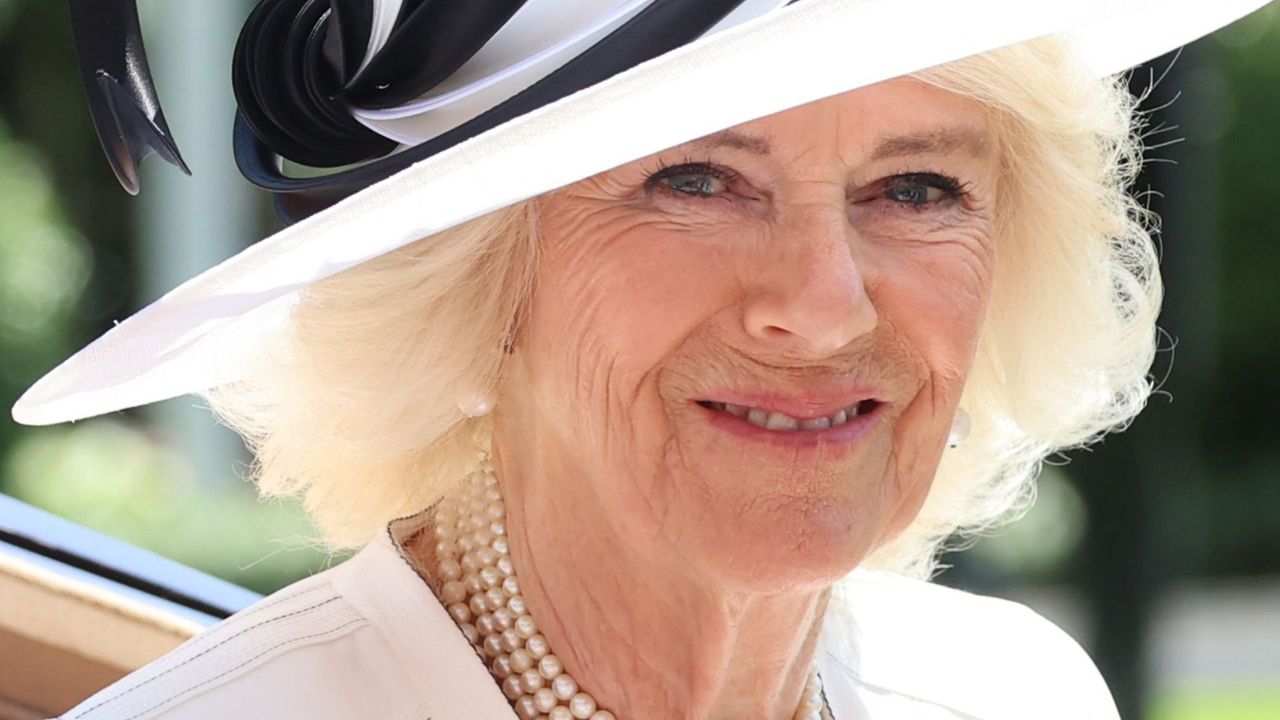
x,y
483,597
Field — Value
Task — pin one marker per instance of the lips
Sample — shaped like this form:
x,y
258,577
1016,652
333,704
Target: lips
x,y
773,419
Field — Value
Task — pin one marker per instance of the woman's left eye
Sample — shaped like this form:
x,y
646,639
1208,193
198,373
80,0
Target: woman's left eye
x,y
694,184
699,180
920,190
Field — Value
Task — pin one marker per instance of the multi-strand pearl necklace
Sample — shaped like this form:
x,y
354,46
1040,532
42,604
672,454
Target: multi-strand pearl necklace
x,y
483,597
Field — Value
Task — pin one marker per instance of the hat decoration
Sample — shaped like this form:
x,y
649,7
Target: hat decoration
x,y
382,84
117,81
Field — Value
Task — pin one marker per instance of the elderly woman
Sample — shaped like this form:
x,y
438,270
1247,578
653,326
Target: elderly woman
x,y
669,433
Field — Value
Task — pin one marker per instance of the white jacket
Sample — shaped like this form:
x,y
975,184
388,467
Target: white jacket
x,y
368,639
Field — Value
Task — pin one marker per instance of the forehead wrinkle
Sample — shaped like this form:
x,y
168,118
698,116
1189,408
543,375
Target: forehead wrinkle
x,y
964,138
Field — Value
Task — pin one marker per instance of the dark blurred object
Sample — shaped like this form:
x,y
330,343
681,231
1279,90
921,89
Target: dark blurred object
x,y
117,83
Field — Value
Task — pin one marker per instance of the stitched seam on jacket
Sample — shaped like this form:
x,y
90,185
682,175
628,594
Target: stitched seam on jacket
x,y
228,671
207,650
270,603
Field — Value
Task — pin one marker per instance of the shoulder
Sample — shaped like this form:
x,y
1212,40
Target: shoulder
x,y
981,657
292,654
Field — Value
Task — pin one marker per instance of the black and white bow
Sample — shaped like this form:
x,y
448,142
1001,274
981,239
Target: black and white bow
x,y
380,84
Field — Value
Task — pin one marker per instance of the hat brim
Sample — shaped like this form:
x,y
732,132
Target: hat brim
x,y
202,333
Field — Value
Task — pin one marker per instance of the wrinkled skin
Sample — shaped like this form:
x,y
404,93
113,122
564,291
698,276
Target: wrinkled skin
x,y
677,559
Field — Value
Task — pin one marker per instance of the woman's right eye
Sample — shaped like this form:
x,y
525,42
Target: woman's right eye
x,y
693,179
700,185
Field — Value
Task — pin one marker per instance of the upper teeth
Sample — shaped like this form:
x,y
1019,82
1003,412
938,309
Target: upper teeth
x,y
781,421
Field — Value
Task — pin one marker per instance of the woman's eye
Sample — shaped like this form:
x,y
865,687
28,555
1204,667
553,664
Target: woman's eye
x,y
921,190
699,180
693,184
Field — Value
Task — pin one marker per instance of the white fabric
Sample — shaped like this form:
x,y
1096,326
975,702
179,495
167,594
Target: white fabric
x,y
205,331
368,639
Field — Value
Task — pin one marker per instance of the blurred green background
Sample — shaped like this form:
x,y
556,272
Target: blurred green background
x,y
1159,549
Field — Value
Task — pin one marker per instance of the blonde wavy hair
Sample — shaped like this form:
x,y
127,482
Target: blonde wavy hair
x,y
355,408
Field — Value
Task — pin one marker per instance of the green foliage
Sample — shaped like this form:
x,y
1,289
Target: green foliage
x,y
1249,702
43,264
1241,432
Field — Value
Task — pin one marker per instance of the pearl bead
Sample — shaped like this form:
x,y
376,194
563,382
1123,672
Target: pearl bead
x,y
560,713
564,686
469,631
502,666
516,605
500,545
450,570
496,597
521,660
453,592
460,613
504,618
470,563
582,706
510,585
526,709
525,627
549,666
505,566
479,606
511,687
475,406
485,624
510,640
499,528
493,646
544,700
531,681
602,715
537,646
486,556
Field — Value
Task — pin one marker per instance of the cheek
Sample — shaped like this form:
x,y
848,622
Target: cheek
x,y
615,296
936,297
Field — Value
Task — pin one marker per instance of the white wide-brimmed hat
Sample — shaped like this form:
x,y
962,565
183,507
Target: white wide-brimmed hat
x,y
764,57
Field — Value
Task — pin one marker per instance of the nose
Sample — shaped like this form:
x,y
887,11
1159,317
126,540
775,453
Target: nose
x,y
811,296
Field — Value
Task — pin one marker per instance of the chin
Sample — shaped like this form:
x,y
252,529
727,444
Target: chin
x,y
770,544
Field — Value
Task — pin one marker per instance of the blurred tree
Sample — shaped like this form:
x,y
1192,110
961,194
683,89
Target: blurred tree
x,y
1241,433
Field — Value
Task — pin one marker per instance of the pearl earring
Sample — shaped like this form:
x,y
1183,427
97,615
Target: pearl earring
x,y
960,428
475,406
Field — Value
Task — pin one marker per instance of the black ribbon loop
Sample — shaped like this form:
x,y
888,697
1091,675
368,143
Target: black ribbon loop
x,y
287,74
117,81
428,44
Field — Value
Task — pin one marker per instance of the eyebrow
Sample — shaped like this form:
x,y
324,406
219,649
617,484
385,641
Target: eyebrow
x,y
736,140
944,141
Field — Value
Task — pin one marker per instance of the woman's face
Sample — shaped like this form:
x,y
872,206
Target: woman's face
x,y
748,350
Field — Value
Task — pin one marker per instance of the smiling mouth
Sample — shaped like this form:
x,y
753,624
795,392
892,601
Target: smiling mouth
x,y
774,420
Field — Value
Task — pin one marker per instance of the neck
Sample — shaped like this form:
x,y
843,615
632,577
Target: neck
x,y
642,630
